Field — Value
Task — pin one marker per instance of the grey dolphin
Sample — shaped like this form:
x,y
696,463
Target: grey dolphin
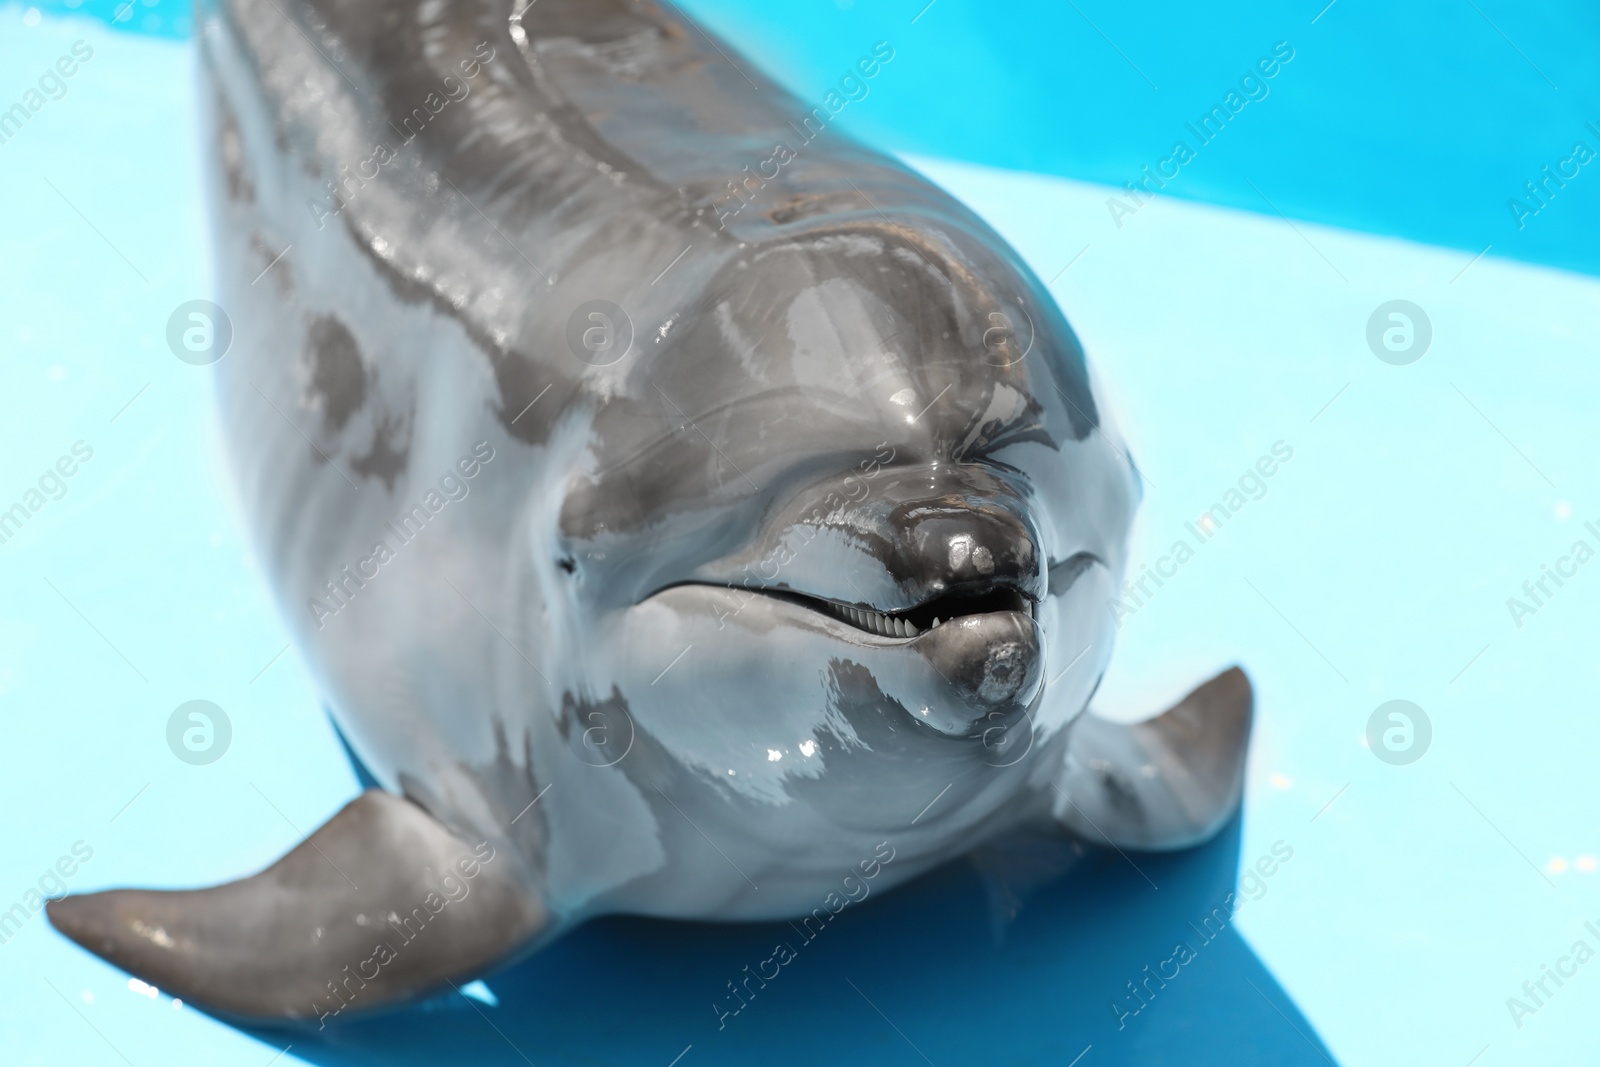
x,y
683,506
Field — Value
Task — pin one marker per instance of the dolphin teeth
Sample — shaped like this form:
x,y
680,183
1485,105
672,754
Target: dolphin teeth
x,y
935,622
877,622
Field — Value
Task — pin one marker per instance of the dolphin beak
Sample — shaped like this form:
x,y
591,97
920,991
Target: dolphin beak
x,y
992,667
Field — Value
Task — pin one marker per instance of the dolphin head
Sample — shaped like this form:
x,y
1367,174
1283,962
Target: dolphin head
x,y
852,506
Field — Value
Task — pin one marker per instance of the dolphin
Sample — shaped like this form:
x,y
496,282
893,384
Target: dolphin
x,y
686,510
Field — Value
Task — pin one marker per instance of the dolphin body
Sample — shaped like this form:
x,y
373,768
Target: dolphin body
x,y
687,510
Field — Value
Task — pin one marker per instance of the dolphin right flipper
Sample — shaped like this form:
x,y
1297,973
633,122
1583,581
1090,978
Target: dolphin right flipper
x,y
1165,783
381,905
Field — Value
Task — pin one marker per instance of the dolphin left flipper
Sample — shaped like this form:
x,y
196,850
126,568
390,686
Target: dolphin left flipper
x,y
1165,783
380,905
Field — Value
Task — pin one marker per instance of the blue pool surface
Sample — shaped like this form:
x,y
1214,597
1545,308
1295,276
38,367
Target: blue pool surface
x,y
1225,316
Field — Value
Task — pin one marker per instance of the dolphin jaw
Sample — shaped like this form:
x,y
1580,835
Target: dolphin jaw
x,y
915,621
908,624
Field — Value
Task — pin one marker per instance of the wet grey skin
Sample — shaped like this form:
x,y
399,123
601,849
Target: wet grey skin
x,y
796,596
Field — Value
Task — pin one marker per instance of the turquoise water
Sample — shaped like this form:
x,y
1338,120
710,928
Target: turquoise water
x,y
1420,120
1375,564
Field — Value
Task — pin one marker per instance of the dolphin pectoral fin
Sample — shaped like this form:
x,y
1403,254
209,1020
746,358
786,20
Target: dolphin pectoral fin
x,y
1165,783
381,905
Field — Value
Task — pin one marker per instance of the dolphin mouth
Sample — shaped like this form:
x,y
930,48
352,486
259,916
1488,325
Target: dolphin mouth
x,y
911,623
961,662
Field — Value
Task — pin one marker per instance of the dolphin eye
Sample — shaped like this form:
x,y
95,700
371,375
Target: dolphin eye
x,y
568,564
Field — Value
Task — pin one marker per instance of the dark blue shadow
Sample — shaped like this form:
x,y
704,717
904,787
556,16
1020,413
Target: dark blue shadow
x,y
911,977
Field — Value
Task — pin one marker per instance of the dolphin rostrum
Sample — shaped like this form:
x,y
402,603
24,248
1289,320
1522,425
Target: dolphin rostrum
x,y
679,503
